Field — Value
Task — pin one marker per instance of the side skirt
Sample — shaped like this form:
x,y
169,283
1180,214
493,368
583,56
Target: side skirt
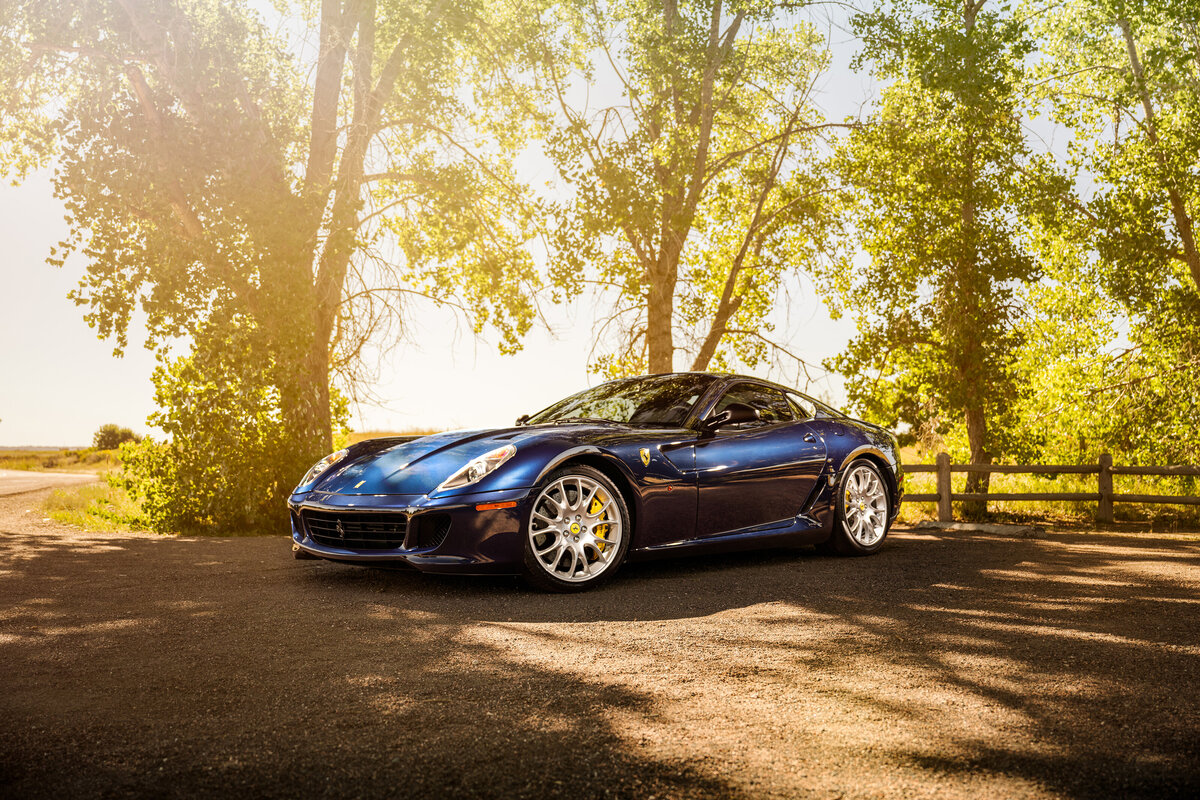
x,y
804,529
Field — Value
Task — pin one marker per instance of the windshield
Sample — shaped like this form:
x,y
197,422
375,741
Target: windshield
x,y
648,400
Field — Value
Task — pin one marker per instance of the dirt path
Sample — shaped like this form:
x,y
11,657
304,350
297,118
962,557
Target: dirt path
x,y
947,666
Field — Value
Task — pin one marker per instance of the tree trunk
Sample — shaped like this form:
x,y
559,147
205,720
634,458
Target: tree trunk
x,y
304,405
291,322
660,310
716,331
1183,222
977,482
680,200
659,340
969,316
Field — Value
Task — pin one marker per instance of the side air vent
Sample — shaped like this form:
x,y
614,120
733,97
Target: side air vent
x,y
427,531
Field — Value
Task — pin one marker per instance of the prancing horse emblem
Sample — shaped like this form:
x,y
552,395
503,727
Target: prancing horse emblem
x,y
645,456
341,531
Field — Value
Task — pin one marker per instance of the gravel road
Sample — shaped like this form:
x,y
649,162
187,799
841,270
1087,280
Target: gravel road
x,y
16,481
950,665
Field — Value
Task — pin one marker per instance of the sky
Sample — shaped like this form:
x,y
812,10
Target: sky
x,y
59,382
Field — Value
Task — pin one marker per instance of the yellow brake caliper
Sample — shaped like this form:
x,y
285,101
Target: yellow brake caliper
x,y
600,530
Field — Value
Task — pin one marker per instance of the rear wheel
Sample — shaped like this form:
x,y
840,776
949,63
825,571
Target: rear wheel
x,y
863,513
578,530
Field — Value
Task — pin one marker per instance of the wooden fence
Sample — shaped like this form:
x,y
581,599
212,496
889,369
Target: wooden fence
x,y
1104,496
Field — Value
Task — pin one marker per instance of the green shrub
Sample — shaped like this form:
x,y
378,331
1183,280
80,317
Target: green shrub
x,y
228,462
111,436
218,472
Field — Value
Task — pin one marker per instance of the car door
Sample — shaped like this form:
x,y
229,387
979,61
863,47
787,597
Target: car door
x,y
759,472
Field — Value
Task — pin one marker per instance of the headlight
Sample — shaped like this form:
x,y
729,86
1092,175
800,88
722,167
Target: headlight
x,y
478,468
322,465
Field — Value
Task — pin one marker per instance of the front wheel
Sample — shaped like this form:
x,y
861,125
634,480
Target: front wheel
x,y
863,517
578,530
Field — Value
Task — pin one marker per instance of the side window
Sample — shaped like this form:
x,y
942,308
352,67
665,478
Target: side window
x,y
803,407
771,404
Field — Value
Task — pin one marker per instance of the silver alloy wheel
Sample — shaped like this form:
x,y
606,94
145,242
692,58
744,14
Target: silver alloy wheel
x,y
575,528
864,506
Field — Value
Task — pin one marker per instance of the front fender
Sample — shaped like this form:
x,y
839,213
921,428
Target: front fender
x,y
609,463
532,462
575,452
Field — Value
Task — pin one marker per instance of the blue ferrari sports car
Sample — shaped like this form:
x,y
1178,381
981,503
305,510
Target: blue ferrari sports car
x,y
634,468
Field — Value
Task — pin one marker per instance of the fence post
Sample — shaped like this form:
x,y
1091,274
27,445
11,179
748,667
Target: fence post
x,y
945,513
1104,512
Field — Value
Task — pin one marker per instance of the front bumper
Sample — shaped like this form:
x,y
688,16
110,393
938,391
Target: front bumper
x,y
477,542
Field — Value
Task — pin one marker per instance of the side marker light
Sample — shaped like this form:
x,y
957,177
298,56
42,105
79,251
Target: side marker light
x,y
494,506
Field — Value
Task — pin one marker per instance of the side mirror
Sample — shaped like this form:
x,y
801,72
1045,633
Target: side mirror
x,y
521,420
734,414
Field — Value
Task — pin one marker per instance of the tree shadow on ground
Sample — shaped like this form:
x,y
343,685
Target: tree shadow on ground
x,y
1085,648
947,664
170,668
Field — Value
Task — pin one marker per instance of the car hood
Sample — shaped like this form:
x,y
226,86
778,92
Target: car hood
x,y
419,466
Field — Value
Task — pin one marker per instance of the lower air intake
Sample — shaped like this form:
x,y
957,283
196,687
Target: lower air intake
x,y
373,531
428,531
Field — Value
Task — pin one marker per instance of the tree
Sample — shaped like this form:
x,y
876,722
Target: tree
x,y
940,177
210,185
697,192
111,436
1125,78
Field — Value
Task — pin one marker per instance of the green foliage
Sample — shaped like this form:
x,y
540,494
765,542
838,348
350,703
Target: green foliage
x,y
1125,77
209,185
940,179
1069,324
697,193
225,464
1094,392
1155,399
1067,335
111,436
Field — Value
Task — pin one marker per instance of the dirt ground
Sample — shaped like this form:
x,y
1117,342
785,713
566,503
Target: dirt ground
x,y
949,665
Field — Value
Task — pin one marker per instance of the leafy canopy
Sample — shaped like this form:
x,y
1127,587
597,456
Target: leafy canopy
x,y
939,180
275,201
699,190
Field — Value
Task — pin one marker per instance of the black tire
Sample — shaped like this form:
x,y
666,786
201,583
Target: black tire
x,y
843,542
536,572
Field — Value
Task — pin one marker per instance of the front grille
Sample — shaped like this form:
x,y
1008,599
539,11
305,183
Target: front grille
x,y
357,531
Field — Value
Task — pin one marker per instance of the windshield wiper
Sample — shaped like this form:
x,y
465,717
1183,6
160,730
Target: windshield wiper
x,y
568,420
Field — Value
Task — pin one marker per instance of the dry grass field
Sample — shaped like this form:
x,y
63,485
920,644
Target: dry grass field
x,y
58,459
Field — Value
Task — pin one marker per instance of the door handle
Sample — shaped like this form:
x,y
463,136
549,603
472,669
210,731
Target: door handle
x,y
808,437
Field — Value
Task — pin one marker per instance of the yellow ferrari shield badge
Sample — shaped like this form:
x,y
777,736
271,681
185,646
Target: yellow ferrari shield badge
x,y
645,456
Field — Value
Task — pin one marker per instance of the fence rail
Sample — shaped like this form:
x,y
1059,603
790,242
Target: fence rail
x,y
1104,495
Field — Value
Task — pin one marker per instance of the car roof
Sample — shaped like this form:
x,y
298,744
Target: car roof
x,y
721,376
733,377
